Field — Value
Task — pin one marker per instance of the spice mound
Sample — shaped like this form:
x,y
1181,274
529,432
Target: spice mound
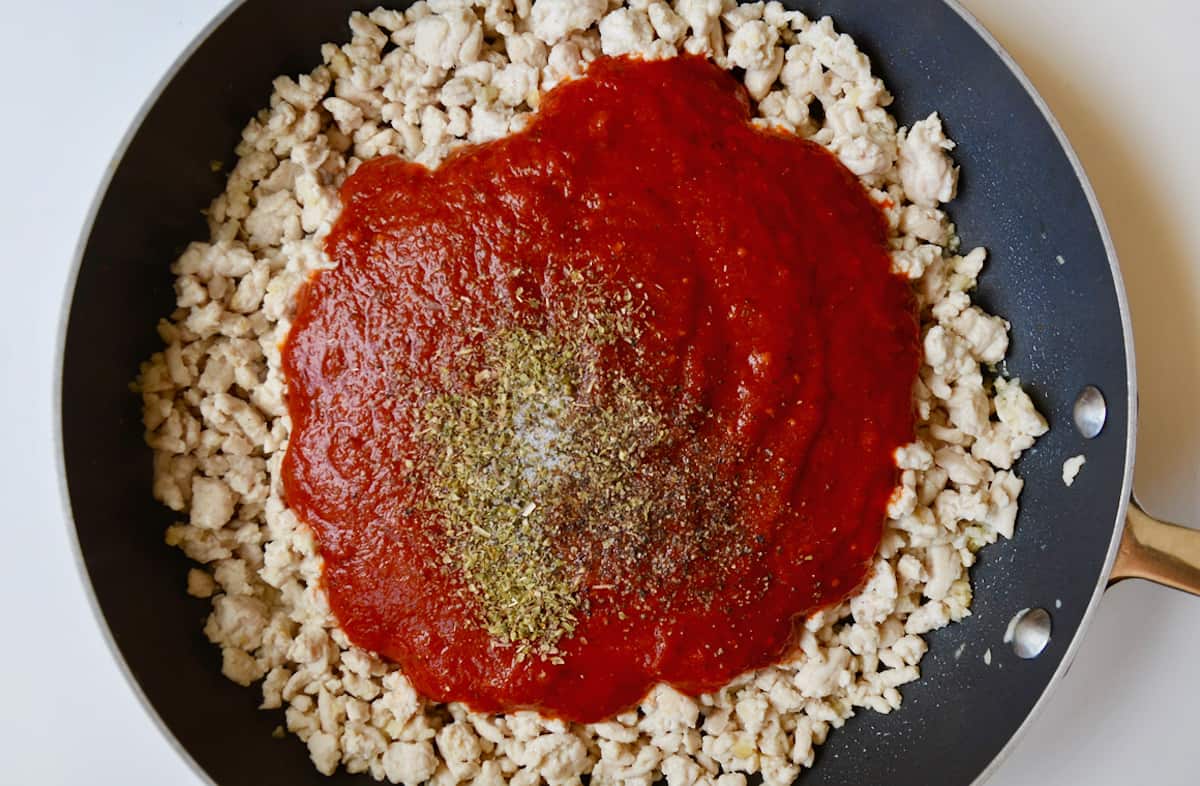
x,y
608,402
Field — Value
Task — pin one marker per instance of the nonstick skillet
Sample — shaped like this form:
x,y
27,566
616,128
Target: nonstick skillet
x,y
1023,196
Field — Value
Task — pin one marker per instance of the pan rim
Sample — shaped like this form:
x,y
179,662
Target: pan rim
x,y
60,347
219,19
1118,526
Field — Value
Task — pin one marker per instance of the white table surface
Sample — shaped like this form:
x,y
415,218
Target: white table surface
x,y
1123,84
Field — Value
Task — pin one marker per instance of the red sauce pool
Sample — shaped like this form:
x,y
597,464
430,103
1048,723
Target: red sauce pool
x,y
772,305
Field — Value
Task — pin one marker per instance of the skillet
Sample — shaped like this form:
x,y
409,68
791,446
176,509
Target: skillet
x,y
1023,195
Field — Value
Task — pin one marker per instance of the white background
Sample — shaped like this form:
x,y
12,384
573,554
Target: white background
x,y
1123,84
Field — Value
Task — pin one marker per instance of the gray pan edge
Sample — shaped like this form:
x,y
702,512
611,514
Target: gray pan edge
x,y
60,345
1130,371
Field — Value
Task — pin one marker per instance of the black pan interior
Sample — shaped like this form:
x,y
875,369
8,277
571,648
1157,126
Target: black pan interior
x,y
1020,197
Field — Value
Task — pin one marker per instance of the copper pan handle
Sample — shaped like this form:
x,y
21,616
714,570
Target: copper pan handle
x,y
1157,551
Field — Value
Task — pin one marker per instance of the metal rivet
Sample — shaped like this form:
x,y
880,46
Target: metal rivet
x,y
1029,632
1090,412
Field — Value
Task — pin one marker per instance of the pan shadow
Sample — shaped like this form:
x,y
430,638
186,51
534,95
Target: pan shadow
x,y
1166,321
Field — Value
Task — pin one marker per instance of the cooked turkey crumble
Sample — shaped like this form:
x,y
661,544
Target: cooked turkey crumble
x,y
450,72
1070,469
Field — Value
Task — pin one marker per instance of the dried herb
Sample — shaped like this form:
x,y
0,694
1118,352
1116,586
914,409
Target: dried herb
x,y
542,455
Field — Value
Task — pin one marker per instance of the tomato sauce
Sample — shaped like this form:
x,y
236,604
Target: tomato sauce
x,y
772,309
